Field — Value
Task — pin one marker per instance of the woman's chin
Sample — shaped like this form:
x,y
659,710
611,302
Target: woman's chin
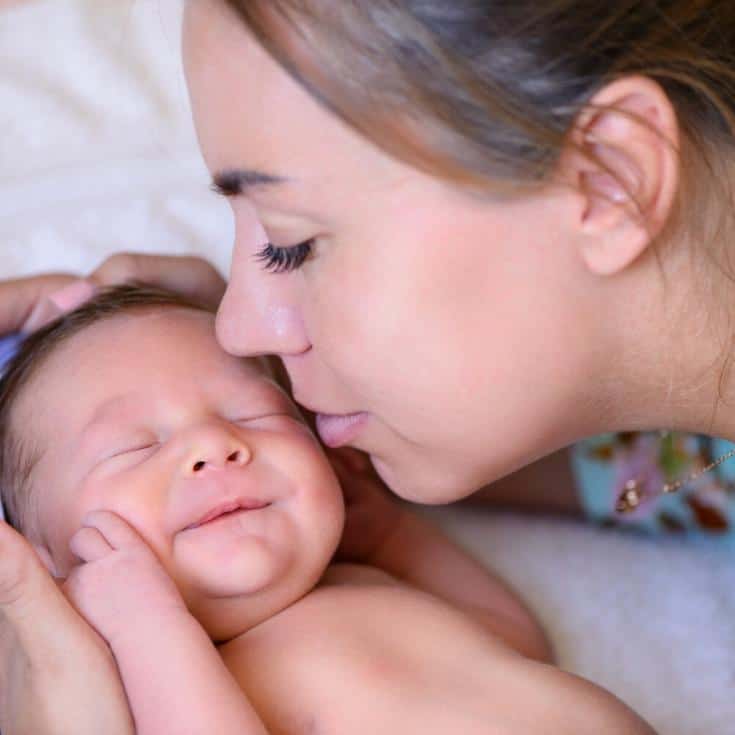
x,y
423,482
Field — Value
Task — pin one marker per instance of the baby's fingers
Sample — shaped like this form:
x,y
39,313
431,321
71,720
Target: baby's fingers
x,y
89,544
118,534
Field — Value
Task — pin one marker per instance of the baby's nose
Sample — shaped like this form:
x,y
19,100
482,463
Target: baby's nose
x,y
218,455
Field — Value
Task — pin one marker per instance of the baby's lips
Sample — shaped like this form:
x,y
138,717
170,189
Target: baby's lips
x,y
58,303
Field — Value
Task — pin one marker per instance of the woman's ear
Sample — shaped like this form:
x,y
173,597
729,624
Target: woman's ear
x,y
623,161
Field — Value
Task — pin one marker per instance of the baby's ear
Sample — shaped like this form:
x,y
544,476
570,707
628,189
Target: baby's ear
x,y
45,556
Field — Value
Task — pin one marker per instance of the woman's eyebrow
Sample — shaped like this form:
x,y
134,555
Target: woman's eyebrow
x,y
232,182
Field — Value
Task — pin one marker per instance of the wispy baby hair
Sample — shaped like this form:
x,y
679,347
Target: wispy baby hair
x,y
18,453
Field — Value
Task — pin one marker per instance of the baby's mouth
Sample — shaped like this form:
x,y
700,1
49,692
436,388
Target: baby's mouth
x,y
229,508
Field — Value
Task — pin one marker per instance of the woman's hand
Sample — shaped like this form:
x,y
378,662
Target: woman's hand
x,y
372,511
28,303
57,675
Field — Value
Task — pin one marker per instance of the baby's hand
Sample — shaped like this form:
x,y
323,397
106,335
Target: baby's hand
x,y
120,584
372,512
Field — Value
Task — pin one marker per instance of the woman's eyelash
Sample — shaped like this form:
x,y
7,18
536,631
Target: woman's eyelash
x,y
284,260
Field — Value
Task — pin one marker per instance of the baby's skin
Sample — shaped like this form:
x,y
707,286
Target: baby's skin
x,y
195,519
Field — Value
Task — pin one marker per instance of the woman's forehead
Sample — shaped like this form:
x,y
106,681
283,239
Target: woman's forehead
x,y
251,115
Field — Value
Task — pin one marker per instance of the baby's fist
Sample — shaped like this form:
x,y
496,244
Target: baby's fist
x,y
120,584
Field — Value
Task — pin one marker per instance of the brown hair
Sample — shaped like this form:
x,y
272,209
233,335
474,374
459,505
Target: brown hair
x,y
17,455
486,91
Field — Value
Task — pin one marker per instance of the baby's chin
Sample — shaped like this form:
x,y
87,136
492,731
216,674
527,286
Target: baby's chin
x,y
231,579
230,600
223,565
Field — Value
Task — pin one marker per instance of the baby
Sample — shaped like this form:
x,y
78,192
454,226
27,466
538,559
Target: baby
x,y
195,518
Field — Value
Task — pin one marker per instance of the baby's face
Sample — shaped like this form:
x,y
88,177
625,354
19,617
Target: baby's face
x,y
145,415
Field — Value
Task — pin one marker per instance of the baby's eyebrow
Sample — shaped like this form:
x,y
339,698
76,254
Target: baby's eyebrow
x,y
111,406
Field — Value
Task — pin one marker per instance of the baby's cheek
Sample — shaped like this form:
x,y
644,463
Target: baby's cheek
x,y
317,499
327,502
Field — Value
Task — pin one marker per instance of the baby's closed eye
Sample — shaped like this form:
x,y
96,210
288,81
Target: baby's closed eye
x,y
124,451
131,450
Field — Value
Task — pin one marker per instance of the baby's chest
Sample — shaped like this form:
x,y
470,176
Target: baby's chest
x,y
313,689
348,669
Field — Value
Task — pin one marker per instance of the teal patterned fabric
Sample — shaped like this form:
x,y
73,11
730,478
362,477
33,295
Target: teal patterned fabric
x,y
703,508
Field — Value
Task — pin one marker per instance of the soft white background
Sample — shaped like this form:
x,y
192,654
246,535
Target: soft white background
x,y
97,155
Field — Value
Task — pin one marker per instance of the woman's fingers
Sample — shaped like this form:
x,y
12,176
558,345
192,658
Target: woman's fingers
x,y
27,304
25,584
191,276
59,302
52,663
22,298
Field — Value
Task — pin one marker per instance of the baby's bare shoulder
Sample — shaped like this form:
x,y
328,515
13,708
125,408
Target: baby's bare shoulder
x,y
347,649
363,653
362,608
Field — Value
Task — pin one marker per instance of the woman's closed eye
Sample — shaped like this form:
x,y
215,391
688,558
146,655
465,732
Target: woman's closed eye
x,y
284,260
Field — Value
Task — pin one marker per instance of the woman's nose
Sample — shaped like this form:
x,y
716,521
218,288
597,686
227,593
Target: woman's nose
x,y
260,312
215,449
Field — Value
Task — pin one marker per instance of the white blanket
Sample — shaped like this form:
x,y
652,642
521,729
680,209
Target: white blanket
x,y
97,155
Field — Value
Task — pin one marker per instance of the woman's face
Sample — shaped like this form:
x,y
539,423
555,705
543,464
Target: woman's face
x,y
439,332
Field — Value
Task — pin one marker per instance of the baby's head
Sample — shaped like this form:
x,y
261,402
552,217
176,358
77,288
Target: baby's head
x,y
129,404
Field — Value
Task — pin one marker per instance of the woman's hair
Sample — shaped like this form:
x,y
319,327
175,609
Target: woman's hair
x,y
484,93
18,453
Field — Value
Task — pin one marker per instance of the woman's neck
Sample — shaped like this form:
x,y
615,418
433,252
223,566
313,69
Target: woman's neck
x,y
675,335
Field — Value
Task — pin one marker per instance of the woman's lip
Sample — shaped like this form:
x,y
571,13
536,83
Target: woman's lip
x,y
338,430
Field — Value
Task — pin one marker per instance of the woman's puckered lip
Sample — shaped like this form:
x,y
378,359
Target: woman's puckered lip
x,y
338,431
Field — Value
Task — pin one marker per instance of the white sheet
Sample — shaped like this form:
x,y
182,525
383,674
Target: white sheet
x,y
97,155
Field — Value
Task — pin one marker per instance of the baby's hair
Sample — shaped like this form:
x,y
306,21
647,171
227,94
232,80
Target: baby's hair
x,y
18,455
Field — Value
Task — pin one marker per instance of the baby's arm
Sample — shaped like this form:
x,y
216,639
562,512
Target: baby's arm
x,y
420,554
176,681
384,533
174,677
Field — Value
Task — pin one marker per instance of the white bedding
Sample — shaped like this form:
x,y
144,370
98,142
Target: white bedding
x,y
97,155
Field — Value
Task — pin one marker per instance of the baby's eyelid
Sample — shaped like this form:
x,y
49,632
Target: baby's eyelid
x,y
137,448
272,415
260,417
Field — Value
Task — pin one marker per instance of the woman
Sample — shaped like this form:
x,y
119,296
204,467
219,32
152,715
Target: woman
x,y
492,230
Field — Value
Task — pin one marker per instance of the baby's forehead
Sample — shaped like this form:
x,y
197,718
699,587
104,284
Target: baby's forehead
x,y
178,332
166,344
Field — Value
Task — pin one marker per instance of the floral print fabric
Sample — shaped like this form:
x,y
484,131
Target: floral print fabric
x,y
704,507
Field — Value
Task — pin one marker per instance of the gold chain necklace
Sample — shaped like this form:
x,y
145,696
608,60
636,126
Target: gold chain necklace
x,y
634,489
